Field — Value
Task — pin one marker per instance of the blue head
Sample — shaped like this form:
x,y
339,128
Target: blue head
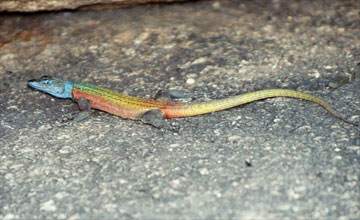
x,y
54,86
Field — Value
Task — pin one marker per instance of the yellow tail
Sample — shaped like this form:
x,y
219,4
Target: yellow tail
x,y
222,104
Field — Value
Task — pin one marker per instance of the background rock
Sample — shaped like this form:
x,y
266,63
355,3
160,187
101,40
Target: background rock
x,y
46,5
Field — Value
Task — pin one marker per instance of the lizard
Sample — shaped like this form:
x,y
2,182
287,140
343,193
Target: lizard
x,y
151,111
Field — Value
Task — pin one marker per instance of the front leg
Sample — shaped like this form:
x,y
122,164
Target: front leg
x,y
85,110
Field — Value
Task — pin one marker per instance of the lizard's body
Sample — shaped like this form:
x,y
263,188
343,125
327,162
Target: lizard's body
x,y
91,96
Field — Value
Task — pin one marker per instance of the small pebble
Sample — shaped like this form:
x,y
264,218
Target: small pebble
x,y
190,81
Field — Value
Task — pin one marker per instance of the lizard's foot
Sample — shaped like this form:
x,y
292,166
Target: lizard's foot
x,y
155,117
169,95
73,117
85,112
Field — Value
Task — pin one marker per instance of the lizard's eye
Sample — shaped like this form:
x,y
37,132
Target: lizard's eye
x,y
46,82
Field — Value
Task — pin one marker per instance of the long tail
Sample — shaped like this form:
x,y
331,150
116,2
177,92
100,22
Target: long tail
x,y
217,105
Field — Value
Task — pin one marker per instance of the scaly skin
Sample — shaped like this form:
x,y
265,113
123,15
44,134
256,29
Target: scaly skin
x,y
134,108
119,104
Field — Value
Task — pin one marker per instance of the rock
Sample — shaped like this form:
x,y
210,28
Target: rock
x,y
45,5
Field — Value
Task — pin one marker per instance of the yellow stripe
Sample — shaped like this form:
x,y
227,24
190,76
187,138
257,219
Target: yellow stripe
x,y
118,98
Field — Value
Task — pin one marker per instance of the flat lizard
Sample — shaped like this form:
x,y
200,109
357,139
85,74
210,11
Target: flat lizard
x,y
154,111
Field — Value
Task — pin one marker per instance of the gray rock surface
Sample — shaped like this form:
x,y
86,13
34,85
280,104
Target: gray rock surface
x,y
57,5
273,159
